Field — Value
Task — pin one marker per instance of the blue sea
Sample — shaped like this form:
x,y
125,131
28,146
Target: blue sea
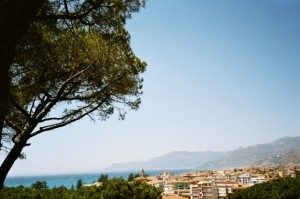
x,y
67,180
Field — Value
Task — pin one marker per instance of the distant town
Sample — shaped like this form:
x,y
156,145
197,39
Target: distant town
x,y
216,184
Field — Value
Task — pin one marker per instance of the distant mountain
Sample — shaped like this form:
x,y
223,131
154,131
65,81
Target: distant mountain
x,y
173,160
291,158
280,151
270,153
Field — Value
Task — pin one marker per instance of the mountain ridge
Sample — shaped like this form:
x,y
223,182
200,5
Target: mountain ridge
x,y
271,152
268,153
172,160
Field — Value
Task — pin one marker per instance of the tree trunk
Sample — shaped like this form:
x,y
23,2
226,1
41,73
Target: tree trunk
x,y
9,161
15,17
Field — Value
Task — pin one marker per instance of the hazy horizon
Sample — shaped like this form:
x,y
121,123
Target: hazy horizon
x,y
107,169
220,75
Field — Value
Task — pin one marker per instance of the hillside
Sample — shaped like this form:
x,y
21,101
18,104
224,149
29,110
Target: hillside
x,y
291,158
173,160
280,151
270,153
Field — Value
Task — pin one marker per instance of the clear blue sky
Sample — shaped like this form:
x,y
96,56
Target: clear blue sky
x,y
221,74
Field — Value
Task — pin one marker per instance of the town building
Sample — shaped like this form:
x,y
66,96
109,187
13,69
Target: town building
x,y
244,178
225,188
207,190
194,192
256,180
169,188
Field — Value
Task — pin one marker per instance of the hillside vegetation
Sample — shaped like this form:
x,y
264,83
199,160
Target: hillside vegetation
x,y
282,188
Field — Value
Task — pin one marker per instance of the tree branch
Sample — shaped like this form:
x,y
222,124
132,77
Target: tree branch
x,y
80,98
70,16
65,117
64,123
46,110
66,7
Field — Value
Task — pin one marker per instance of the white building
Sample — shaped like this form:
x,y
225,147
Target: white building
x,y
224,188
256,180
169,188
244,178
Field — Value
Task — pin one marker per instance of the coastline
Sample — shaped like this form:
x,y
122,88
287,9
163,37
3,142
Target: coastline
x,y
67,180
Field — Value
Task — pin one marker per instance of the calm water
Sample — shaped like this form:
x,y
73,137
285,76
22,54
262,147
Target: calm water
x,y
71,179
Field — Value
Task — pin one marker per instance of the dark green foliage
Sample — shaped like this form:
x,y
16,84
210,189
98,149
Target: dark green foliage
x,y
297,173
79,184
130,177
142,190
136,175
39,185
103,178
29,193
282,188
112,189
117,188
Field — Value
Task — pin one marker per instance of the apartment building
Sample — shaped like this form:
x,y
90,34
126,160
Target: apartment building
x,y
169,188
256,180
194,192
207,190
225,188
244,178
